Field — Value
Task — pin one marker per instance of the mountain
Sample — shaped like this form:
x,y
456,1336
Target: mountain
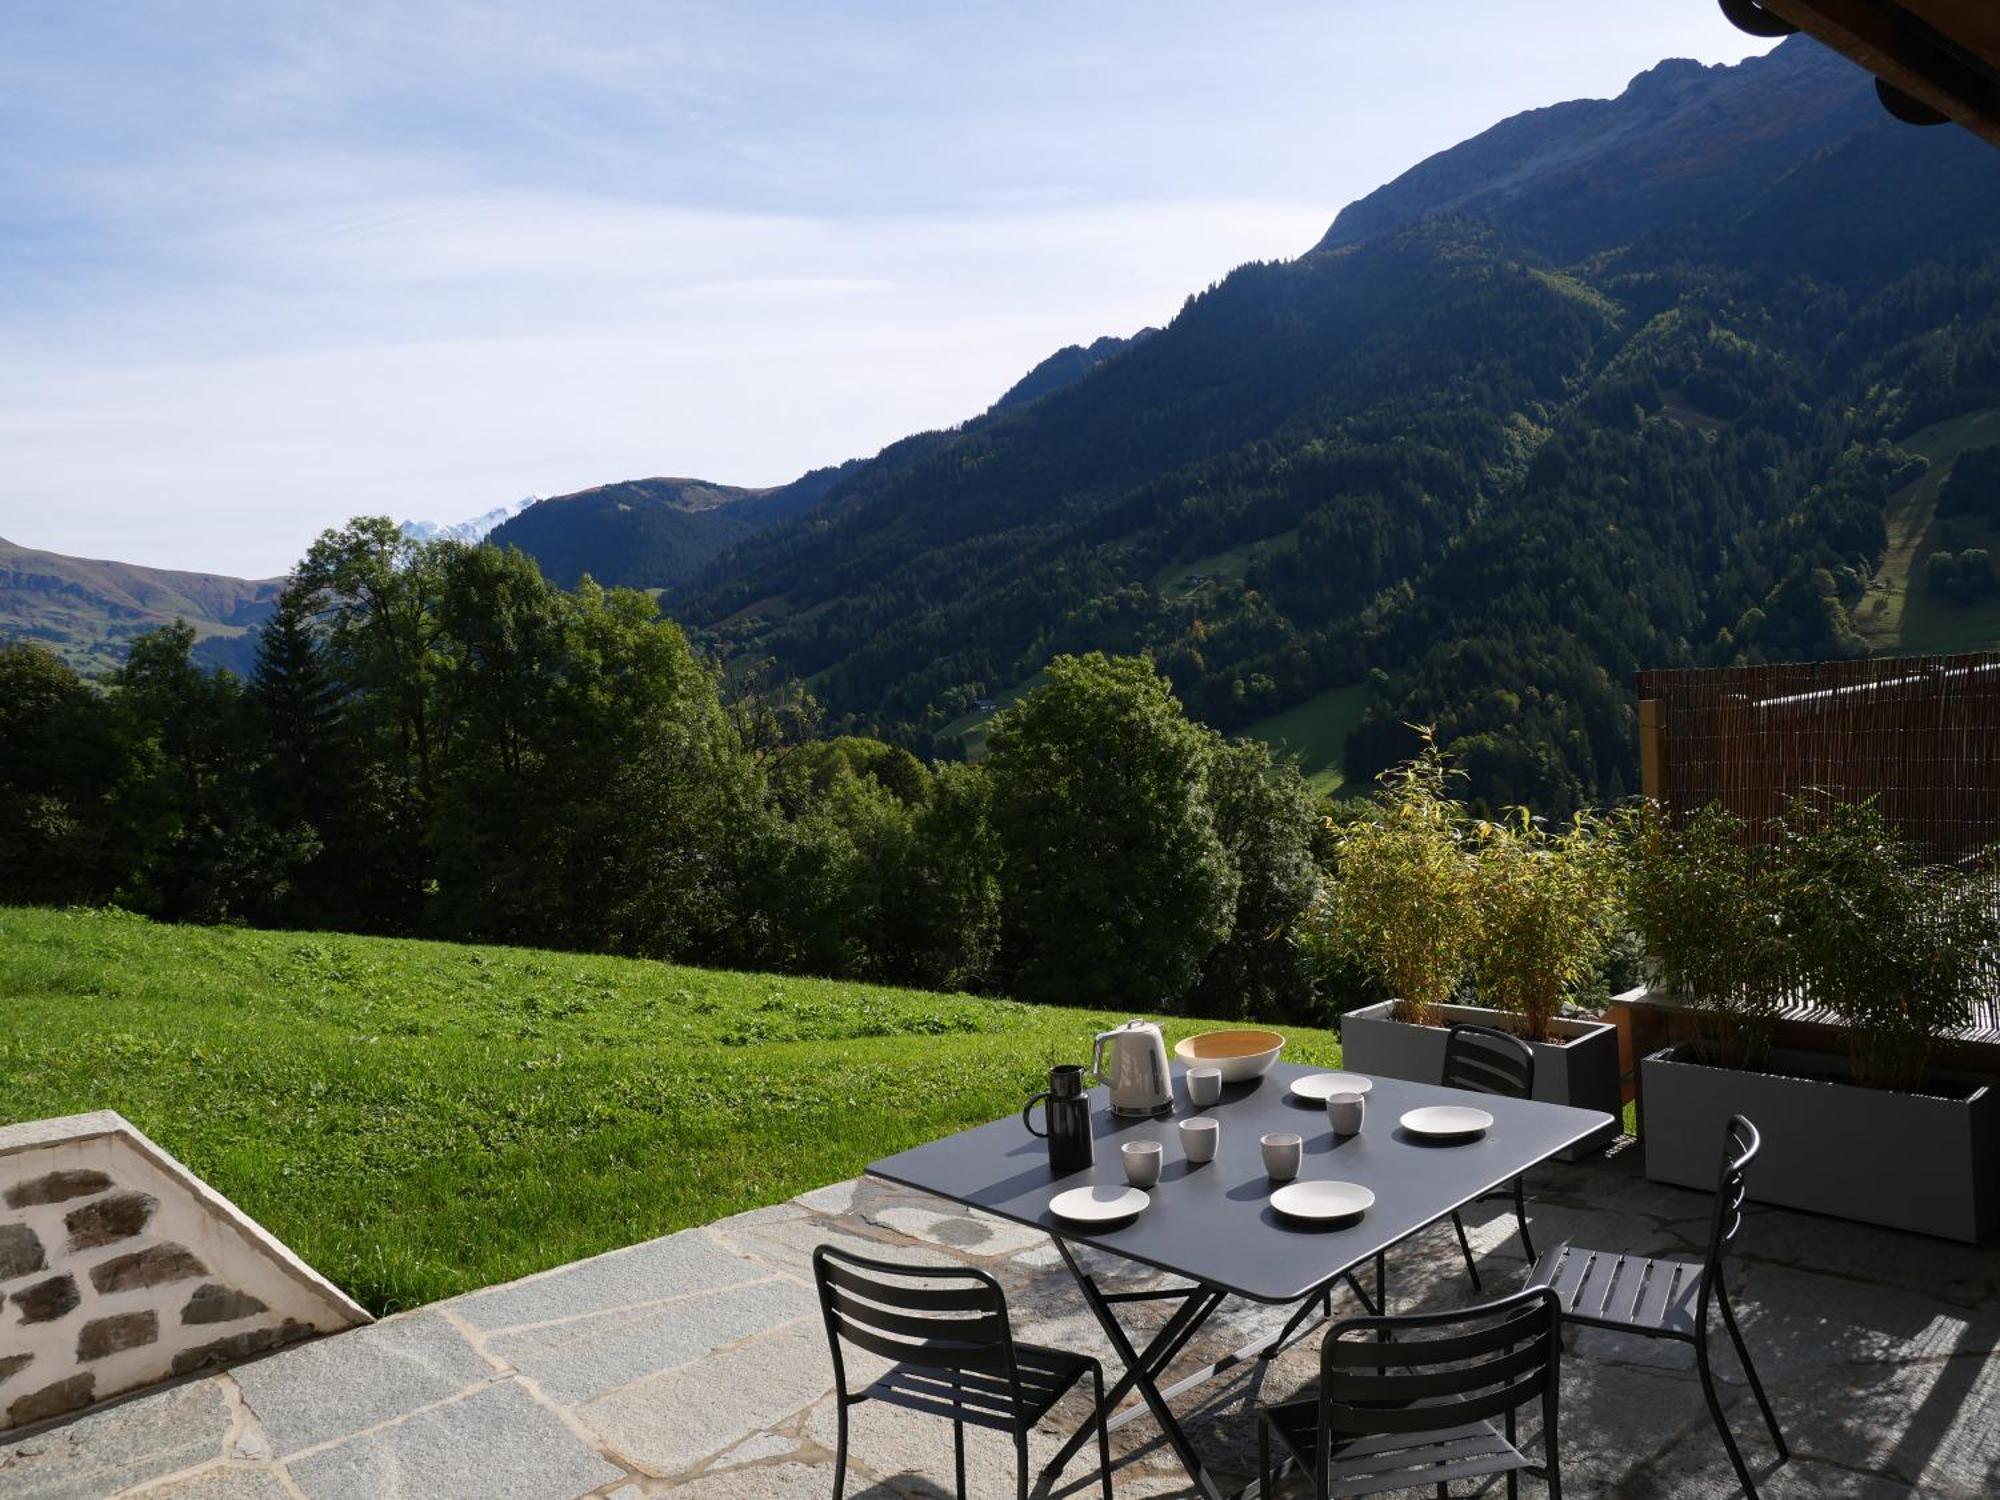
x,y
473,530
1683,146
1065,368
1616,382
650,533
86,611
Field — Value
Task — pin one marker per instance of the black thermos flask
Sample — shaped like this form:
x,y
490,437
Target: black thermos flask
x,y
1069,1120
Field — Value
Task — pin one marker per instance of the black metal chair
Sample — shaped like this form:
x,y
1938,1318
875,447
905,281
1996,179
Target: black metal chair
x,y
955,1356
1409,1401
1489,1061
1669,1299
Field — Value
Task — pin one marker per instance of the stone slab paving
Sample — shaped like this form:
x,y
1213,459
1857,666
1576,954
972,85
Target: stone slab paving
x,y
694,1366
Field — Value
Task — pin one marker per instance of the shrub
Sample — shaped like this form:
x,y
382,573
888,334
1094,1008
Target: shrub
x,y
1547,907
1892,946
1710,922
1402,901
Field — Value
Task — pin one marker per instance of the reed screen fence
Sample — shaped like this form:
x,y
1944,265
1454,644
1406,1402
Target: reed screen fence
x,y
1920,735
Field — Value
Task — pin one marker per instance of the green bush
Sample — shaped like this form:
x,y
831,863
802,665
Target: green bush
x,y
1710,919
1548,906
1403,900
1891,945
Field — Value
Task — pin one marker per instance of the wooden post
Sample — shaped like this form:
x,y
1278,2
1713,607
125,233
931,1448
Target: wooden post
x,y
1650,721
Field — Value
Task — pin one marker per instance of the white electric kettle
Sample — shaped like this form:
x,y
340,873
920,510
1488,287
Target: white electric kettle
x,y
1137,1076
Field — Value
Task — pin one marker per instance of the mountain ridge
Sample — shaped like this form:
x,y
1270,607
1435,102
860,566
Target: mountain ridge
x,y
87,609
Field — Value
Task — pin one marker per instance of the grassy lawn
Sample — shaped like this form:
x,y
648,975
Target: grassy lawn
x,y
1899,614
419,1119
1316,731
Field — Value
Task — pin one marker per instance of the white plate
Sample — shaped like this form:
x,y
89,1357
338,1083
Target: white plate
x,y
1318,1086
1445,1121
1322,1200
1098,1205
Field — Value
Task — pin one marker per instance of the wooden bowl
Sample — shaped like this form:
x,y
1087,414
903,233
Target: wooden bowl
x,y
1240,1054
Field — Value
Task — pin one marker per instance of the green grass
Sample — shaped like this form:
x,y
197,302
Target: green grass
x,y
1316,731
1899,613
419,1119
1220,567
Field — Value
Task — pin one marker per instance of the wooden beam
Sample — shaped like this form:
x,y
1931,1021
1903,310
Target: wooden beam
x,y
1889,41
1650,721
1973,24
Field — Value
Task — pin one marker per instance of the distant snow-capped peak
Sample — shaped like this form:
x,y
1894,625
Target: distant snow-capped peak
x,y
474,530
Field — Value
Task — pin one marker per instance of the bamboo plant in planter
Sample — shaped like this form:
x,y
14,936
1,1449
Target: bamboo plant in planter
x,y
1426,896
1842,911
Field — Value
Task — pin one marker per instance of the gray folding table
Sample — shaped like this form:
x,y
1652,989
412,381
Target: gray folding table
x,y
1213,1224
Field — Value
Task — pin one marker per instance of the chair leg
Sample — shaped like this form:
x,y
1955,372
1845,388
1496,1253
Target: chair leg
x,y
1263,1457
1465,1249
1756,1385
1103,1430
840,1448
1721,1421
1020,1468
1521,1215
958,1454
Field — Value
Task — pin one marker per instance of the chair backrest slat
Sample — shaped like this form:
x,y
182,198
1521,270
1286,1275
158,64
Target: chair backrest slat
x,y
1347,1421
977,1329
987,1359
1502,1334
1488,1061
1438,1371
1464,1379
975,1297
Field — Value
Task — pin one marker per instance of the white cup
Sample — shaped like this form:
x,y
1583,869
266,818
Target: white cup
x,y
1204,1086
1198,1139
1344,1112
1142,1162
1281,1155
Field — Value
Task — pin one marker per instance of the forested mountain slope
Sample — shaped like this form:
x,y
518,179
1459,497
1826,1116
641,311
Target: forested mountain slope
x,y
1617,382
650,533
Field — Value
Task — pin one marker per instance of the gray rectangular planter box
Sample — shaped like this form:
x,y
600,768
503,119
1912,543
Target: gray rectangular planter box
x,y
1908,1161
1581,1070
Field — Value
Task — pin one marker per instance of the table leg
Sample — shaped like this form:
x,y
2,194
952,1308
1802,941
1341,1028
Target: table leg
x,y
1142,1370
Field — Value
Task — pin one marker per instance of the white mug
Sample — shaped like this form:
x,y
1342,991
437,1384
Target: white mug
x,y
1199,1138
1142,1162
1204,1086
1281,1155
1344,1112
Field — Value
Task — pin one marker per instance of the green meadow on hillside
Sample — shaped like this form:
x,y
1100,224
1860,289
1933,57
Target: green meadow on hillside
x,y
1316,732
1900,613
418,1119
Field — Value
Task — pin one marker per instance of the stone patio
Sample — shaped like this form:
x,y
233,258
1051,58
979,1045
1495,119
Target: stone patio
x,y
695,1366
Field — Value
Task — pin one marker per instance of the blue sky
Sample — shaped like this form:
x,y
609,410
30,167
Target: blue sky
x,y
263,267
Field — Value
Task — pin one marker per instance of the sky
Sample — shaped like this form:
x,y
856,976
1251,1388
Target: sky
x,y
265,267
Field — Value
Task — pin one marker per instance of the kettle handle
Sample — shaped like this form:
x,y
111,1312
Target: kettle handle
x,y
1027,1114
1096,1074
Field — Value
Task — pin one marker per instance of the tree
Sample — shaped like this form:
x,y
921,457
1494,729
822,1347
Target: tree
x,y
939,924
58,757
194,848
1264,815
1115,886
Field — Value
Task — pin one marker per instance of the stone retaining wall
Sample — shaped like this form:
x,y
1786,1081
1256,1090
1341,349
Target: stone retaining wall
x,y
119,1268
